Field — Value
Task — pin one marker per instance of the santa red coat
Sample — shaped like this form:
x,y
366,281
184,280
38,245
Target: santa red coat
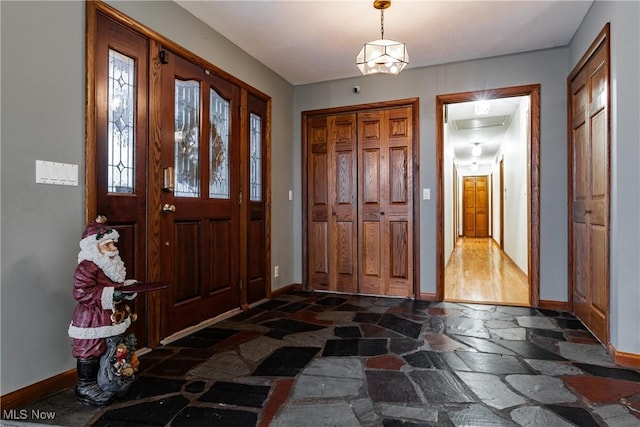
x,y
91,321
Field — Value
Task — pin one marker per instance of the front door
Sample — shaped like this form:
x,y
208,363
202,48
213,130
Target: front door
x,y
200,204
177,158
589,153
121,149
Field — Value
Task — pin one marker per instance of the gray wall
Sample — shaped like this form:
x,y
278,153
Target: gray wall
x,y
43,96
42,107
548,67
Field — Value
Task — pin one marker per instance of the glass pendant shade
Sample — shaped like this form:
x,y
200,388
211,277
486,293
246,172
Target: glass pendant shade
x,y
382,56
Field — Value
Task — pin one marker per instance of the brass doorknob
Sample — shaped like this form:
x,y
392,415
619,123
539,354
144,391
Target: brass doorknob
x,y
167,208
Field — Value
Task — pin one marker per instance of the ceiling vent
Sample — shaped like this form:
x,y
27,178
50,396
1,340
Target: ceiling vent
x,y
483,122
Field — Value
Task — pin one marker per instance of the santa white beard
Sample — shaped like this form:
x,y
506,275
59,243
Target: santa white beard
x,y
109,262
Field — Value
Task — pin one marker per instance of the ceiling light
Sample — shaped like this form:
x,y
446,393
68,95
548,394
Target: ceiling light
x,y
482,107
474,167
476,150
382,56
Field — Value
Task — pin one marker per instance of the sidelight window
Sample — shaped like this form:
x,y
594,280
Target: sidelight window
x,y
255,160
121,124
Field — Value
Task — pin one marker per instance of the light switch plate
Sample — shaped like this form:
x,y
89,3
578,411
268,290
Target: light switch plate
x,y
56,173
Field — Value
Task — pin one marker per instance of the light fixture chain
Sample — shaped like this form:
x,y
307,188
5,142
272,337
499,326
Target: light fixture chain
x,y
382,23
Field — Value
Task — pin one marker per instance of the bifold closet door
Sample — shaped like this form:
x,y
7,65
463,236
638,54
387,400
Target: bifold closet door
x,y
385,205
332,208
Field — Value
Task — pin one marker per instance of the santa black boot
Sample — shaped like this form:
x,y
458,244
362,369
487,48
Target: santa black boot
x,y
87,390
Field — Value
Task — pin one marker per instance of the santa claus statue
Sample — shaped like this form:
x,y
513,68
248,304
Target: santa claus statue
x,y
106,360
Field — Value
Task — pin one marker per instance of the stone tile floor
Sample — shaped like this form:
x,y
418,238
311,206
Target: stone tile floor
x,y
306,359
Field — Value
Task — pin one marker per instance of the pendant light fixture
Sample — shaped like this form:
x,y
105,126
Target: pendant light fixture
x,y
382,56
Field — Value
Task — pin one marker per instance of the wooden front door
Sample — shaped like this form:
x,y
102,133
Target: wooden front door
x,y
200,213
359,211
475,206
121,150
589,192
177,157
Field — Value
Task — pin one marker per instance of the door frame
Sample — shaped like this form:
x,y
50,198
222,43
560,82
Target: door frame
x,y
156,300
408,102
533,91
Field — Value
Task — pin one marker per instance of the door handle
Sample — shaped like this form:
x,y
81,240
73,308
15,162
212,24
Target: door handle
x,y
382,213
167,208
587,211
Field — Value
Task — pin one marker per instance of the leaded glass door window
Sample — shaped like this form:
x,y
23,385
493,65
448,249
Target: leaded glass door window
x,y
255,157
218,146
121,125
187,138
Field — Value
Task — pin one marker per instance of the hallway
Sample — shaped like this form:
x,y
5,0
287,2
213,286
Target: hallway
x,y
478,271
315,359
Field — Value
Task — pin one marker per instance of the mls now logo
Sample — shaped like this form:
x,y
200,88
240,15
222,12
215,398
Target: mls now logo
x,y
23,414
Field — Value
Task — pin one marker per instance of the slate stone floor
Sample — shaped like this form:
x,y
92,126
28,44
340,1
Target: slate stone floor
x,y
305,359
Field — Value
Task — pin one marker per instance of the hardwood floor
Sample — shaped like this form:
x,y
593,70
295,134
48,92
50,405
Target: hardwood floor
x,y
478,271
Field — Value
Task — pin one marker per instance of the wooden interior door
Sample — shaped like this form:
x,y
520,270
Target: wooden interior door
x,y
385,202
359,201
318,207
343,187
332,202
200,220
121,149
589,150
475,206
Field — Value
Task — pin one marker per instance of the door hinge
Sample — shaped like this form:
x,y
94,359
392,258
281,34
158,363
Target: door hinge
x,y
164,57
240,197
240,284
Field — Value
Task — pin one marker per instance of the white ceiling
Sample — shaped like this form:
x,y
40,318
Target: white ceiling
x,y
308,41
465,128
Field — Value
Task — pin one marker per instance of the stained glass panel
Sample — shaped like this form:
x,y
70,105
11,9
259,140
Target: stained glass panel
x,y
218,147
121,124
255,159
187,138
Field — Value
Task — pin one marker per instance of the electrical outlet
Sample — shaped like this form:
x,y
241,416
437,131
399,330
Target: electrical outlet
x,y
276,271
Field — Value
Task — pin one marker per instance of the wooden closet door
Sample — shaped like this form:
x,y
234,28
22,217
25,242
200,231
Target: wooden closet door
x,y
589,150
385,203
343,188
318,207
332,209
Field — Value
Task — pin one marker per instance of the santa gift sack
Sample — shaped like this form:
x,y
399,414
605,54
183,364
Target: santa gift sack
x,y
118,364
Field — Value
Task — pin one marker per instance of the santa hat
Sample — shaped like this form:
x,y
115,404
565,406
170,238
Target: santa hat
x,y
96,232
